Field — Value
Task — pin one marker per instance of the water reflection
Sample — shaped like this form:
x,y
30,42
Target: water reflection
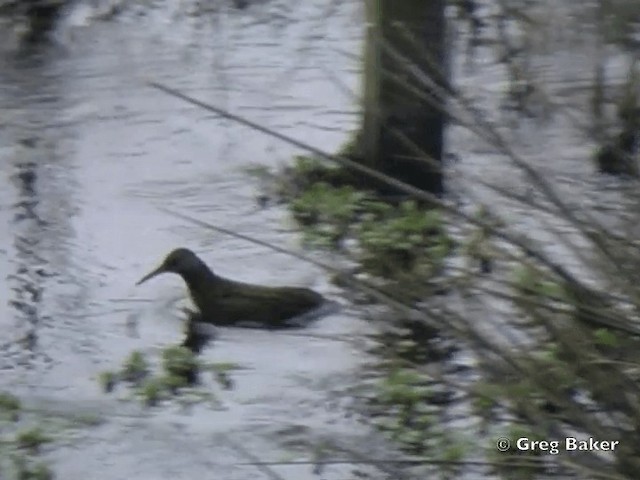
x,y
41,201
28,285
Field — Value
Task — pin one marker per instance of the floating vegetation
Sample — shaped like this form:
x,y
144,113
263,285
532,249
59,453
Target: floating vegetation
x,y
32,439
25,468
152,391
181,367
9,406
135,368
20,448
180,373
222,373
108,381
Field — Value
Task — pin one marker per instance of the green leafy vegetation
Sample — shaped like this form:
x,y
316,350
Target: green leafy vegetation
x,y
327,212
406,408
179,374
180,367
397,240
32,439
135,368
9,406
567,346
404,242
21,447
27,469
222,373
153,390
306,171
108,381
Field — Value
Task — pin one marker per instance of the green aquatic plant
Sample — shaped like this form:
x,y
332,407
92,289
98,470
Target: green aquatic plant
x,y
25,469
222,373
396,240
294,180
31,439
40,471
108,381
327,212
172,383
152,391
135,368
10,406
306,166
180,366
180,369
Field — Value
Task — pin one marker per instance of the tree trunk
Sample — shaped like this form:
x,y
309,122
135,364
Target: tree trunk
x,y
399,129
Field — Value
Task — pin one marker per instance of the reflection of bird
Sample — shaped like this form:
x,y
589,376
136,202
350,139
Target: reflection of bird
x,y
196,333
227,302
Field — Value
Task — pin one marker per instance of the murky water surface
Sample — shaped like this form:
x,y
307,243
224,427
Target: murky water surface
x,y
89,153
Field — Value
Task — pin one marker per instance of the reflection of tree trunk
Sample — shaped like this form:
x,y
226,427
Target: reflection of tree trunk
x,y
399,128
27,226
41,17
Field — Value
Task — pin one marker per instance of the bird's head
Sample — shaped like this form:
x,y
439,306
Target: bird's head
x,y
181,261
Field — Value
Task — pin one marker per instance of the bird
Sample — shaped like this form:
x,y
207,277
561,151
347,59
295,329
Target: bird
x,y
224,302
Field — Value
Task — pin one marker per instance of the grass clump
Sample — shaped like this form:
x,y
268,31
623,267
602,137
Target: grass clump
x,y
10,406
31,439
307,170
108,381
24,468
327,212
180,369
135,368
396,240
18,458
152,391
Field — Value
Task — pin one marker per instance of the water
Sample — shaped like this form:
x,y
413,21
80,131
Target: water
x,y
89,153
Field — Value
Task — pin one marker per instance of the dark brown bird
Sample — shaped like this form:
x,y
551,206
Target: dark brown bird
x,y
226,302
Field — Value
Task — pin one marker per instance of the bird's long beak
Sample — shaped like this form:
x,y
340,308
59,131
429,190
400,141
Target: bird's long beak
x,y
157,271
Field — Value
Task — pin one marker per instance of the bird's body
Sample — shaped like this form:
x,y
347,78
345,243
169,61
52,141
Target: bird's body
x,y
221,301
